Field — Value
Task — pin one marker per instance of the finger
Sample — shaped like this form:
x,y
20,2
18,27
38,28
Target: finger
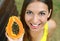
x,y
10,39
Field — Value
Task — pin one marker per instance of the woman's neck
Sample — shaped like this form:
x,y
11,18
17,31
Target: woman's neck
x,y
36,35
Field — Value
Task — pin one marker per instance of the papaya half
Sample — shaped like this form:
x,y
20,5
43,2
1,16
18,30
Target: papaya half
x,y
14,28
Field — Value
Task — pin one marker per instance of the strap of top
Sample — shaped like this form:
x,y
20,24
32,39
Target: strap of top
x,y
44,38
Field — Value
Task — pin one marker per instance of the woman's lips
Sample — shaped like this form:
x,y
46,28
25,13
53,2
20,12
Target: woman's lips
x,y
34,26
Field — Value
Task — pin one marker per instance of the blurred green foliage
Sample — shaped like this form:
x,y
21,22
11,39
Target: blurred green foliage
x,y
55,16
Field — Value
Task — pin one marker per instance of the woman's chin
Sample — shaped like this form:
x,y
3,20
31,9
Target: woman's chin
x,y
34,29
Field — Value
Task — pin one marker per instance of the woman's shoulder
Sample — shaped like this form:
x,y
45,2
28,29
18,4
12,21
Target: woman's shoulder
x,y
51,24
51,27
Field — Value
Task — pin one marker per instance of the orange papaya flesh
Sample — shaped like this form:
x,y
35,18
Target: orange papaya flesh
x,y
14,28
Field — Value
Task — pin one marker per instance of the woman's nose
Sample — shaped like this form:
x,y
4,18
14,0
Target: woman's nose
x,y
35,19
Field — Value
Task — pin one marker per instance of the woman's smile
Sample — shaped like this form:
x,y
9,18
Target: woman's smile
x,y
34,26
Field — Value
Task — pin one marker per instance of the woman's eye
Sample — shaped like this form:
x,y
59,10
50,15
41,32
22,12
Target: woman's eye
x,y
42,13
28,12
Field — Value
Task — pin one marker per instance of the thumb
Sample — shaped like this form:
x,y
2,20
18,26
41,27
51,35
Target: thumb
x,y
21,38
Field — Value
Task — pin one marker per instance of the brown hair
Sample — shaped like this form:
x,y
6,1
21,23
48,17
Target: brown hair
x,y
7,9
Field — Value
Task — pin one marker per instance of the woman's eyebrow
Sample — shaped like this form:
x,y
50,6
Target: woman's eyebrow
x,y
42,11
29,10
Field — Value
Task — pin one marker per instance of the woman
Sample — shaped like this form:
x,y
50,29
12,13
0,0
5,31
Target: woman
x,y
34,15
7,9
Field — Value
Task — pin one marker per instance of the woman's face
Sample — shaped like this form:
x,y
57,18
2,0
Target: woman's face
x,y
36,15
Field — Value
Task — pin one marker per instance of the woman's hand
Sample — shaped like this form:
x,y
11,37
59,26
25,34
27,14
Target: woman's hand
x,y
10,39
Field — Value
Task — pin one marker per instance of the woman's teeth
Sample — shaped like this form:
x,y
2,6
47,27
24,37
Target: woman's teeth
x,y
35,24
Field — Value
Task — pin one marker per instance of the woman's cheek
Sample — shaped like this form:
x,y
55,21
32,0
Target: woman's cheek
x,y
27,17
44,19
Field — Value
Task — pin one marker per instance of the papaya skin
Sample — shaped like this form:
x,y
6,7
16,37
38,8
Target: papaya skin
x,y
9,28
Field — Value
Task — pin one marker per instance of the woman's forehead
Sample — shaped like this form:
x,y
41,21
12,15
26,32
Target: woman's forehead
x,y
37,6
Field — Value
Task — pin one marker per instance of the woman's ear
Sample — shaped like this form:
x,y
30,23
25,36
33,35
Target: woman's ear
x,y
49,13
